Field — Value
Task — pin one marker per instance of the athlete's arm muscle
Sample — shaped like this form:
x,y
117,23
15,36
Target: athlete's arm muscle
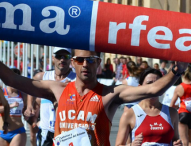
x,y
178,92
124,93
124,128
32,87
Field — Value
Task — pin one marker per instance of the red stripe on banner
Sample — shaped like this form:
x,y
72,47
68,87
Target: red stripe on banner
x,y
144,32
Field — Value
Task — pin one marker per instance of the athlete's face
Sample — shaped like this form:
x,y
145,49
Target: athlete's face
x,y
150,78
62,61
86,65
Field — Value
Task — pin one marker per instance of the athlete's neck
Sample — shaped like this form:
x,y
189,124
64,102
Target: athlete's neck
x,y
84,87
60,75
150,103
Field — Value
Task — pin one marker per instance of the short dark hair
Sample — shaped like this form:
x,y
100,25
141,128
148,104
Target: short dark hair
x,y
149,71
97,53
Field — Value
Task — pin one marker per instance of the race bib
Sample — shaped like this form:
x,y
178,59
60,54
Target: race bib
x,y
75,137
188,104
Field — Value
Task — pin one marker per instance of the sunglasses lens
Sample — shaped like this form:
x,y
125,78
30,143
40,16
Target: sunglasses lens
x,y
67,57
90,60
80,59
63,56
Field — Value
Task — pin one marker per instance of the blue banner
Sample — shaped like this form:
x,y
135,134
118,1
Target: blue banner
x,y
47,22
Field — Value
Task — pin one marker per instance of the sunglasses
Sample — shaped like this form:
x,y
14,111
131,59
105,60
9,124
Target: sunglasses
x,y
66,57
80,60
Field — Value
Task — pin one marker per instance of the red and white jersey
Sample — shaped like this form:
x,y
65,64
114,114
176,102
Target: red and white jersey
x,y
157,130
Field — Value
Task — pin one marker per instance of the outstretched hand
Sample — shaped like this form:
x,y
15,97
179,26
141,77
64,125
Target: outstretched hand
x,y
181,66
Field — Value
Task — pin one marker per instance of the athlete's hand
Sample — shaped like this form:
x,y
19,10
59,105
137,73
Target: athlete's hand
x,y
138,140
29,112
181,66
15,104
177,143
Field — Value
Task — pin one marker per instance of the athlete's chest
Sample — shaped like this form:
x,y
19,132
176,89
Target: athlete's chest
x,y
155,129
74,106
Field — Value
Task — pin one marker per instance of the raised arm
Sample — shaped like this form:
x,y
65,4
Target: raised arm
x,y
129,94
32,87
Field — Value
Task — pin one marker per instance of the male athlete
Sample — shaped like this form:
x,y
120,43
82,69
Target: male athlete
x,y
62,73
85,102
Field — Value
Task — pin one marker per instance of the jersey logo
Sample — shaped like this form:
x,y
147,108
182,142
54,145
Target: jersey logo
x,y
71,97
156,126
140,115
95,98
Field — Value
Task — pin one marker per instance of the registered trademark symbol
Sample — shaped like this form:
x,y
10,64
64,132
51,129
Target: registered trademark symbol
x,y
74,11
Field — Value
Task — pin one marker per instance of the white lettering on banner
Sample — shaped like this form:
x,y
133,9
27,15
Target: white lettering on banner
x,y
153,36
59,21
9,18
136,29
180,42
80,116
113,30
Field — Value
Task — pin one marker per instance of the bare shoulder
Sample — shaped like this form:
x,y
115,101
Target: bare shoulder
x,y
57,88
128,116
38,76
179,90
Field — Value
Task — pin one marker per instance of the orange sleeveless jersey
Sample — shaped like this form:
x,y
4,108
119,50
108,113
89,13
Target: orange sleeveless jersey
x,y
186,96
83,111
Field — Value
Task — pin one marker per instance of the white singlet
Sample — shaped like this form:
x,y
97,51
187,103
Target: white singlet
x,y
16,111
47,112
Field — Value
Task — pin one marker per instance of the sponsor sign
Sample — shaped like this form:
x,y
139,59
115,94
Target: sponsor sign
x,y
98,26
75,137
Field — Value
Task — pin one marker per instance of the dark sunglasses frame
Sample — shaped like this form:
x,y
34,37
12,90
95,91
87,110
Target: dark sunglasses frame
x,y
57,56
90,60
